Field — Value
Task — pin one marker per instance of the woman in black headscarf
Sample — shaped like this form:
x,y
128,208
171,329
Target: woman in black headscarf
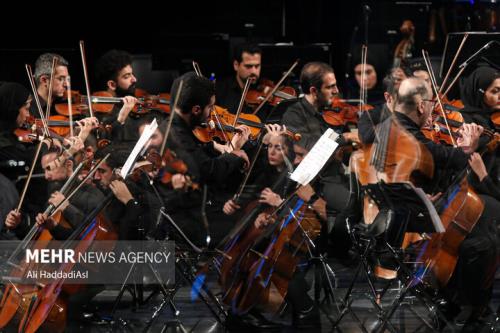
x,y
480,95
478,259
374,72
14,110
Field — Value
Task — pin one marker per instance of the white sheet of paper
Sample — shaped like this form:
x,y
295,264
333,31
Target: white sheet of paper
x,y
146,135
316,158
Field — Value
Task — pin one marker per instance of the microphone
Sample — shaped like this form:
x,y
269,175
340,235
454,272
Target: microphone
x,y
475,55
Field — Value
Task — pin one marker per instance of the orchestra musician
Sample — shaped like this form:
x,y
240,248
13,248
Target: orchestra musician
x,y
247,59
42,76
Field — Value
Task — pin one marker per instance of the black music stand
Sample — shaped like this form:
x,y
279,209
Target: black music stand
x,y
402,208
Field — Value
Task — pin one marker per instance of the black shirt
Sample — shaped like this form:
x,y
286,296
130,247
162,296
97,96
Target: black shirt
x,y
301,117
205,164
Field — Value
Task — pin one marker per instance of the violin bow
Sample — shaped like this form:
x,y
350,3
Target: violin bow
x,y
362,86
51,83
37,100
196,68
466,35
249,171
217,119
276,87
70,107
26,184
434,88
87,87
89,175
171,118
242,100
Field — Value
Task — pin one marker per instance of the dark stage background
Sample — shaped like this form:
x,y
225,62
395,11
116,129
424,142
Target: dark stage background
x,y
166,36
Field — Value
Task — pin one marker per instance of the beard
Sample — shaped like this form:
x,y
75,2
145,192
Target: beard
x,y
102,188
323,102
130,91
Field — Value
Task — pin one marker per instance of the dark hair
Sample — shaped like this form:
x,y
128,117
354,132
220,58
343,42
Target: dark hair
x,y
12,97
307,141
312,75
119,153
109,65
51,150
196,90
248,48
389,86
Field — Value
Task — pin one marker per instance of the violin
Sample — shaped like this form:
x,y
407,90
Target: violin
x,y
168,165
341,113
59,127
32,131
255,96
219,125
495,119
104,102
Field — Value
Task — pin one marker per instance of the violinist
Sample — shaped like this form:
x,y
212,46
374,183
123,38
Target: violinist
x,y
480,94
128,207
74,211
43,73
472,280
15,102
114,74
246,64
211,164
319,85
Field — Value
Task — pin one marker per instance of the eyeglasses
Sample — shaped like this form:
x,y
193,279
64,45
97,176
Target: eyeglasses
x,y
430,101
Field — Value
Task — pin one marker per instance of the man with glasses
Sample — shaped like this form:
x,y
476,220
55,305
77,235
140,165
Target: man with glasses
x,y
472,278
43,71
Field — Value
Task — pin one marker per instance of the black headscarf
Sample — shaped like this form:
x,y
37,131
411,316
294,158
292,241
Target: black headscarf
x,y
474,86
12,97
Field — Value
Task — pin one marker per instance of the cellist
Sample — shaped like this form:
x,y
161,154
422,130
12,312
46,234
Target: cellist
x,y
471,281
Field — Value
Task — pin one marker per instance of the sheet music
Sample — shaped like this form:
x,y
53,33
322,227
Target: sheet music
x,y
316,158
146,135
